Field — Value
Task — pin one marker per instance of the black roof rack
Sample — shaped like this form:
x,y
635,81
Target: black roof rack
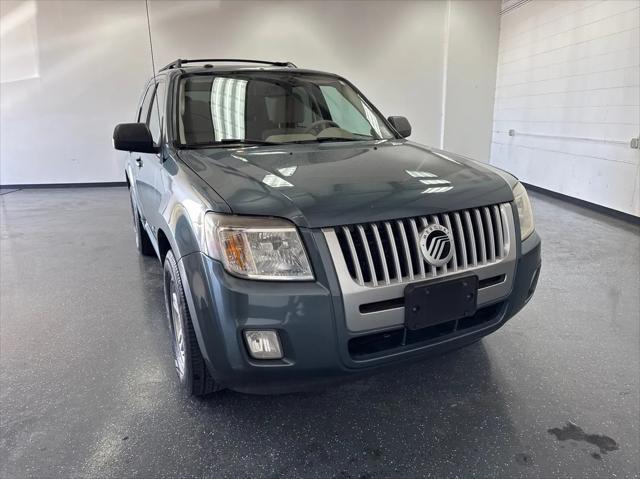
x,y
179,62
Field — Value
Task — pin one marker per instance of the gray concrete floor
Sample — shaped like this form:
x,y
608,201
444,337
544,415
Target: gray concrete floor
x,y
88,387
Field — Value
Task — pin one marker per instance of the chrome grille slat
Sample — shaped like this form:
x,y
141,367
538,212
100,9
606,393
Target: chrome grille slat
x,y
354,255
500,236
463,244
506,224
482,245
407,252
472,237
416,239
454,259
384,254
383,257
367,252
491,243
394,251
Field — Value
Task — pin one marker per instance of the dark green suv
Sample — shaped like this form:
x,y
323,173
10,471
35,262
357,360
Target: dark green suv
x,y
304,239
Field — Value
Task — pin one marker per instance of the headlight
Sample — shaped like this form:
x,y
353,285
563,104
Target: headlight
x,y
524,211
257,248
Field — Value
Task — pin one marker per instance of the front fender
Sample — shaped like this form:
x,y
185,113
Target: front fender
x,y
185,200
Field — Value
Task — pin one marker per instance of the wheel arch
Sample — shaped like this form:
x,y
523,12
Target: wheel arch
x,y
164,245
180,232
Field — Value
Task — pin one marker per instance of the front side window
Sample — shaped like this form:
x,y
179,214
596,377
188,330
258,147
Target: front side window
x,y
143,112
156,114
274,107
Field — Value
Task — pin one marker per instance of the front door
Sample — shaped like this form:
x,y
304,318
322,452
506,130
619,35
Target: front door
x,y
149,165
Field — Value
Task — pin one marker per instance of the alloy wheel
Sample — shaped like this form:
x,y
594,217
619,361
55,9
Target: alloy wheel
x,y
179,346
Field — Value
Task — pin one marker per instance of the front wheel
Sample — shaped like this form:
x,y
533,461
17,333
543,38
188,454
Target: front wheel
x,y
189,363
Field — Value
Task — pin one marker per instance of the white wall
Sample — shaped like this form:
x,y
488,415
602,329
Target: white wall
x,y
93,62
93,59
472,55
19,46
569,85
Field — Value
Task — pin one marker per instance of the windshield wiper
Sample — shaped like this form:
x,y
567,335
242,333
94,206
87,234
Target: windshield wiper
x,y
231,142
323,139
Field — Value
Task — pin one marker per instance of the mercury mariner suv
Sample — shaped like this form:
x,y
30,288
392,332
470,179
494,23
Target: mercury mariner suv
x,y
304,239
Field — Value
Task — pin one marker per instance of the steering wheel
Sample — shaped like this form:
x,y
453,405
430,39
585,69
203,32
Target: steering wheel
x,y
316,127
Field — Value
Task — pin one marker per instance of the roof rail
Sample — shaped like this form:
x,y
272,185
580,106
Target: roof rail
x,y
179,62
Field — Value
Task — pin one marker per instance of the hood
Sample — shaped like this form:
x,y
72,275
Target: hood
x,y
318,185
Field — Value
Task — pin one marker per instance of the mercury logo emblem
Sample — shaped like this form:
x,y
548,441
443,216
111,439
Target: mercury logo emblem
x,y
436,245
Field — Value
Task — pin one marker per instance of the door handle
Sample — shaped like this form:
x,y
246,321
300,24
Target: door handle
x,y
139,162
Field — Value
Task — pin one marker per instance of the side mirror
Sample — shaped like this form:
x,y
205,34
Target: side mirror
x,y
401,124
134,137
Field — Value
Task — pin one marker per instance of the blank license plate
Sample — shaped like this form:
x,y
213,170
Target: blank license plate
x,y
427,304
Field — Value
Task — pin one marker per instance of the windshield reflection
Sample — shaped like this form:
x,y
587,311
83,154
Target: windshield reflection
x,y
274,107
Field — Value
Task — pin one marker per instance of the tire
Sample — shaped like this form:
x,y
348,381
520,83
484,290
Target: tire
x,y
189,363
143,243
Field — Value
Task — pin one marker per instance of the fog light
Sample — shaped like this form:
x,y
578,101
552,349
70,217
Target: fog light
x,y
263,344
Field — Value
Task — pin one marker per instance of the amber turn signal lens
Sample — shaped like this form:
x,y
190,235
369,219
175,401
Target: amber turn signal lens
x,y
235,249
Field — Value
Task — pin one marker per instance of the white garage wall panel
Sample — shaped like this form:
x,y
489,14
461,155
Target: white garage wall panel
x,y
568,85
93,60
472,54
19,45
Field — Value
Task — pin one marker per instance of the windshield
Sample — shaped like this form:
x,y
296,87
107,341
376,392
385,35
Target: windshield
x,y
273,107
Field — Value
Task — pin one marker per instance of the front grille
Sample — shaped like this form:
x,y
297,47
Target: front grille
x,y
388,252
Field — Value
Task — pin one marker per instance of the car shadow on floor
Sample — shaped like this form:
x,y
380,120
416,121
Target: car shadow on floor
x,y
447,409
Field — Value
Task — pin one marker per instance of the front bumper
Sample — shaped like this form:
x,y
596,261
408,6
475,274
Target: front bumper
x,y
309,318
